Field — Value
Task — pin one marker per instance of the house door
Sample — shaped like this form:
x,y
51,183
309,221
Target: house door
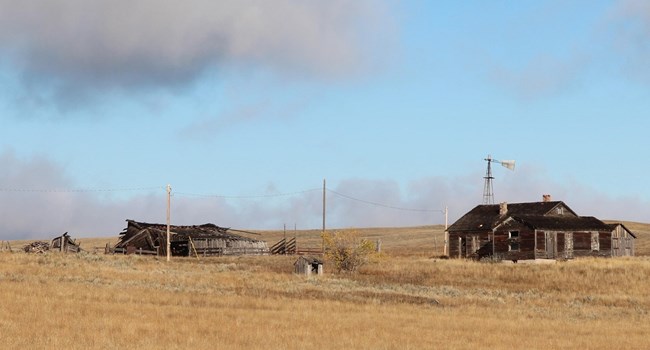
x,y
551,245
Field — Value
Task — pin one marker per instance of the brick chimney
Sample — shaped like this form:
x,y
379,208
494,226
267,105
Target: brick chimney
x,y
546,198
503,208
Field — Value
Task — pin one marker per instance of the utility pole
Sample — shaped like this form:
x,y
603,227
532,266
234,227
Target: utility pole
x,y
324,212
169,194
324,203
444,251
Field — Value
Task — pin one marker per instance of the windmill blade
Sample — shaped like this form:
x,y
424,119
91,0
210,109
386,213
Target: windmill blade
x,y
510,164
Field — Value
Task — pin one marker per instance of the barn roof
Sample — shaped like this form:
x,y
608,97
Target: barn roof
x,y
148,235
538,215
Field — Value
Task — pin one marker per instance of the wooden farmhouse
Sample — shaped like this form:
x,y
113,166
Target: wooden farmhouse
x,y
198,240
538,230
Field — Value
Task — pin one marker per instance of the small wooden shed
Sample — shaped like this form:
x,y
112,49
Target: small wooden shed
x,y
65,244
622,240
308,265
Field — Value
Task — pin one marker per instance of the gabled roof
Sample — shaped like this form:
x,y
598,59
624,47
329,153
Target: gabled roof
x,y
486,216
616,224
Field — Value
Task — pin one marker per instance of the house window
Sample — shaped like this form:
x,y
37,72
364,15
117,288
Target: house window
x,y
513,241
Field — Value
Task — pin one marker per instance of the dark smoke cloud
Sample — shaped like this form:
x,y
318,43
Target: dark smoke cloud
x,y
40,215
70,46
47,208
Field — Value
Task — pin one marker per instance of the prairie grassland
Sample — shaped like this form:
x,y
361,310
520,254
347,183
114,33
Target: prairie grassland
x,y
98,301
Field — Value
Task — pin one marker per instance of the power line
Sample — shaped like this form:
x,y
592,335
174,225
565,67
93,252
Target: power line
x,y
80,190
275,195
200,195
381,204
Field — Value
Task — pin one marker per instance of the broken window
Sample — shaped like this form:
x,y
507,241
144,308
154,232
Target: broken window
x,y
513,241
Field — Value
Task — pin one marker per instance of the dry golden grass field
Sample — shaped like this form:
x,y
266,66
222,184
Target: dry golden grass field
x,y
406,299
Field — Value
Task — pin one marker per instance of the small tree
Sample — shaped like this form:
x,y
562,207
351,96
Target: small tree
x,y
346,250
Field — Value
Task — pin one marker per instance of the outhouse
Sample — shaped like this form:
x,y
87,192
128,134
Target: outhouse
x,y
308,265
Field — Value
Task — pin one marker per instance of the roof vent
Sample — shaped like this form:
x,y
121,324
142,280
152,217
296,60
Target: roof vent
x,y
546,198
503,208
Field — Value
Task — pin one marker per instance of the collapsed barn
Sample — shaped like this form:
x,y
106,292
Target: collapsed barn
x,y
196,240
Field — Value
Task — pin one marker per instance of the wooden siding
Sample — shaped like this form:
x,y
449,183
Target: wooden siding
x,y
539,244
582,241
560,239
465,244
65,244
478,245
505,244
622,242
568,245
196,240
307,265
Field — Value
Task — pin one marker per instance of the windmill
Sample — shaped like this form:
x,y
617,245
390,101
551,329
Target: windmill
x,y
488,193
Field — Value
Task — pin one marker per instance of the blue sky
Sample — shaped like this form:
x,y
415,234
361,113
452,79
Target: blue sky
x,y
244,107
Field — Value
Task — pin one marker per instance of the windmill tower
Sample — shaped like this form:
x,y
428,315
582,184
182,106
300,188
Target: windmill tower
x,y
488,192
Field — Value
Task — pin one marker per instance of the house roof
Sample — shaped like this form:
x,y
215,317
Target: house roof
x,y
571,223
537,215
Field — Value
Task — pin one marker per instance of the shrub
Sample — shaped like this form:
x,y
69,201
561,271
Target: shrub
x,y
346,250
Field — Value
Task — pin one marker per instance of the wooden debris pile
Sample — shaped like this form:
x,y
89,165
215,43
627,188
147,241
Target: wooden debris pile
x,y
37,247
63,243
